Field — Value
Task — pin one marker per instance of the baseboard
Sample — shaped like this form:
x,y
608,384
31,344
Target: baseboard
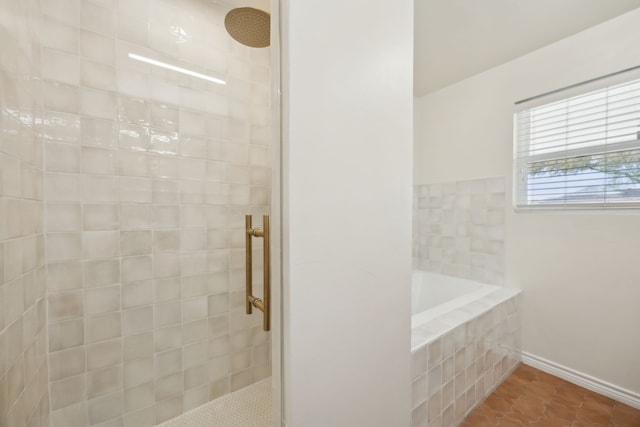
x,y
583,380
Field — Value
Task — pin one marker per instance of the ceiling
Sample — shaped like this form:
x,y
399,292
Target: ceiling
x,y
455,39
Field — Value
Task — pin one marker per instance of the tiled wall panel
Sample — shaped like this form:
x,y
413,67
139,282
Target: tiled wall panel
x,y
459,229
148,175
455,371
24,397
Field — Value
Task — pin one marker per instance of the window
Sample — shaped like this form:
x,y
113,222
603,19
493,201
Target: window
x,y
580,147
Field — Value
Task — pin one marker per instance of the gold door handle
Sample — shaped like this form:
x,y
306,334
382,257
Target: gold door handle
x,y
263,305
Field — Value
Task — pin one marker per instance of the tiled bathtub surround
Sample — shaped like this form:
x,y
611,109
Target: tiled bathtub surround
x,y
459,229
24,398
148,175
457,359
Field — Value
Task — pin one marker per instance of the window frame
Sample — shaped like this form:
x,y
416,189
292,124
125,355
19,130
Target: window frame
x,y
520,161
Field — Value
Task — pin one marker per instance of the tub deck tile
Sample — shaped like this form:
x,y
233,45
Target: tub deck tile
x,y
469,352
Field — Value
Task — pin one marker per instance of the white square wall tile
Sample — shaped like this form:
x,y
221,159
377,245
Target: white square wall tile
x,y
61,66
98,18
166,265
67,334
135,216
98,103
102,300
99,132
193,146
61,97
164,167
99,188
136,242
165,117
98,217
195,308
96,160
67,392
137,320
63,217
136,268
133,110
66,305
64,246
135,190
62,187
64,275
103,327
62,157
105,408
133,163
165,143
166,216
97,75
133,29
100,244
137,294
58,35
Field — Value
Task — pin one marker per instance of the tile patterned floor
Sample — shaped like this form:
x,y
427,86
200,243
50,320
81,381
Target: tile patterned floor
x,y
247,407
532,398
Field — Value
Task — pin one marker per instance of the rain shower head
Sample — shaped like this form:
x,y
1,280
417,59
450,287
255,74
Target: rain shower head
x,y
249,26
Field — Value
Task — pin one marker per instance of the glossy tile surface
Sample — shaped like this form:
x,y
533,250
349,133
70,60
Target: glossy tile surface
x,y
24,394
148,173
530,397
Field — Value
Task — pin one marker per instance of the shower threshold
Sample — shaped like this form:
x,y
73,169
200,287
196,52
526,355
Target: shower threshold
x,y
247,407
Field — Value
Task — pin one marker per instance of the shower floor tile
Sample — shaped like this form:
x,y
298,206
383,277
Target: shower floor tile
x,y
532,398
247,407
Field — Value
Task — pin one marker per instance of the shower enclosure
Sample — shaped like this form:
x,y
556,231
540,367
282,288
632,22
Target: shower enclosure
x,y
136,136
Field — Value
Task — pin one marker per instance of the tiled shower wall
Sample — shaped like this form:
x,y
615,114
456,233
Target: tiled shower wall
x,y
148,175
459,229
24,398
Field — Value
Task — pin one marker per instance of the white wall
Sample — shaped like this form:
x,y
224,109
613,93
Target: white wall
x,y
579,271
347,211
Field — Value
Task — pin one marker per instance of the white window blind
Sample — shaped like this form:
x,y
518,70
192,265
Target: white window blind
x,y
580,147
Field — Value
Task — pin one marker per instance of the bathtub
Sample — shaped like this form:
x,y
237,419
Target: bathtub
x,y
433,295
465,340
